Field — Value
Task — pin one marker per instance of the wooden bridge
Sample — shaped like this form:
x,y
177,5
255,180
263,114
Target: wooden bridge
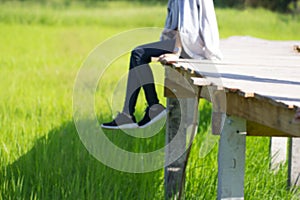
x,y
255,91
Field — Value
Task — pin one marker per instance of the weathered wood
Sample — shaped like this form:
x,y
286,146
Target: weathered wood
x,y
294,163
178,84
297,48
262,111
174,172
260,80
217,122
217,96
278,152
267,68
256,129
218,99
231,159
176,90
264,117
181,122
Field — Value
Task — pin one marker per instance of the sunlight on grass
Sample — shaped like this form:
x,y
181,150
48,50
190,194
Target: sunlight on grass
x,y
258,23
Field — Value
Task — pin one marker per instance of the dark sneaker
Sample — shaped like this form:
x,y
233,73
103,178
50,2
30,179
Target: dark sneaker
x,y
152,115
122,121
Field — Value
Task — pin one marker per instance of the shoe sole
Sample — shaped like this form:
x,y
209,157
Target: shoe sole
x,y
155,119
121,127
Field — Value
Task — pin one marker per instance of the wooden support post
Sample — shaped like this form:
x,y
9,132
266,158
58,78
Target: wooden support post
x,y
182,120
294,163
174,171
231,159
278,152
179,122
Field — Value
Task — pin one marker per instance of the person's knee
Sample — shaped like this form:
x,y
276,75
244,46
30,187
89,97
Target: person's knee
x,y
139,57
137,53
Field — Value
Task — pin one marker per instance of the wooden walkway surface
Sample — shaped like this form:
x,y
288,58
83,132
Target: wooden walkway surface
x,y
255,90
268,68
261,79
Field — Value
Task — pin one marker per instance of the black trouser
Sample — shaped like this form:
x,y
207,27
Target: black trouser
x,y
140,74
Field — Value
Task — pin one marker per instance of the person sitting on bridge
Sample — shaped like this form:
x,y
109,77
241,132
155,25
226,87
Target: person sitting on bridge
x,y
190,31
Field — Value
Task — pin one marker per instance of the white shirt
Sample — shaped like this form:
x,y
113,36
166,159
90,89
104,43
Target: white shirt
x,y
197,24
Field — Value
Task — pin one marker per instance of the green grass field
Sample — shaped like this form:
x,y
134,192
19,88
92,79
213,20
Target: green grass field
x,y
41,155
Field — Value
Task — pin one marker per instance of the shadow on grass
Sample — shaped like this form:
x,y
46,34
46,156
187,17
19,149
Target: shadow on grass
x,y
59,167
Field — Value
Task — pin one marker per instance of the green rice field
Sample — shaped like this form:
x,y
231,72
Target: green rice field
x,y
42,48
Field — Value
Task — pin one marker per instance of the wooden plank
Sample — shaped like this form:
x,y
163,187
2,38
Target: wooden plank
x,y
177,90
255,129
294,163
248,80
267,68
278,152
296,119
201,81
264,117
218,99
231,159
218,120
178,84
263,112
251,61
240,104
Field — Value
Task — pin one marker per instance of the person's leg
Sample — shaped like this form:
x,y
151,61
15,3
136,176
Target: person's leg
x,y
140,73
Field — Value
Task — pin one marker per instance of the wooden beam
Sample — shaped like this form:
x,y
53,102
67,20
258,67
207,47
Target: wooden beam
x,y
178,84
263,111
256,129
218,99
264,118
217,96
176,90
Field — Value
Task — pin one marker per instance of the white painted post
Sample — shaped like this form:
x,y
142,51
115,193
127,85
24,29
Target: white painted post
x,y
278,152
231,159
294,163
